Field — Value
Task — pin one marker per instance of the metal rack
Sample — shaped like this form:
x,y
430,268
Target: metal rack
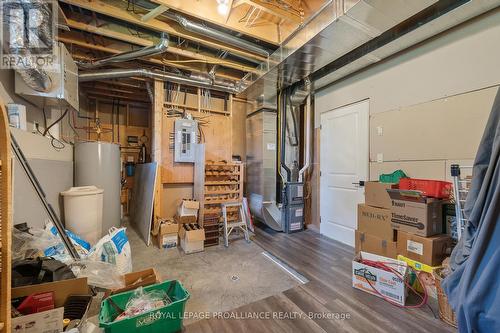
x,y
461,188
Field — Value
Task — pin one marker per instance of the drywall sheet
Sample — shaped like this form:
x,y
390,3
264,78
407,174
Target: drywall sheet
x,y
54,177
141,203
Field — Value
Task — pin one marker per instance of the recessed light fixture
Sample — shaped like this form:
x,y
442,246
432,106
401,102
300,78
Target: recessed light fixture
x,y
223,7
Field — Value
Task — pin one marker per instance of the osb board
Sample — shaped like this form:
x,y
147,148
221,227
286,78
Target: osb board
x,y
448,128
218,139
173,194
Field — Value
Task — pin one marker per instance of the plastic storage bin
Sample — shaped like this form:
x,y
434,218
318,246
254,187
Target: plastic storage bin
x,y
431,188
162,320
83,212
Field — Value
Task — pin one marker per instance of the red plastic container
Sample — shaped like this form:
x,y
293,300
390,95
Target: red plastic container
x,y
431,188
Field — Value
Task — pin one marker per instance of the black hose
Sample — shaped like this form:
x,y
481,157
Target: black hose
x,y
55,122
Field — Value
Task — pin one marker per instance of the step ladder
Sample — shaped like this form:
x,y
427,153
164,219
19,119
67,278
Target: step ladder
x,y
229,226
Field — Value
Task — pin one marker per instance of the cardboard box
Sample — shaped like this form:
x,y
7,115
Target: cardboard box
x,y
427,250
188,208
375,221
167,234
185,219
450,220
366,242
376,194
138,279
425,274
192,241
168,241
414,213
368,278
51,320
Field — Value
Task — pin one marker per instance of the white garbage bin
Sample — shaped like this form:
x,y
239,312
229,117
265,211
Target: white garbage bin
x,y
83,212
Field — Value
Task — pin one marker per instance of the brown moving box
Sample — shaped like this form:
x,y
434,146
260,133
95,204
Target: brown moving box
x,y
188,208
192,240
414,213
166,233
185,219
372,244
138,279
375,221
427,250
376,194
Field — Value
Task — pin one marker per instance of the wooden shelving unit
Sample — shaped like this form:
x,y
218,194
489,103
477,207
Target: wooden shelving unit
x,y
216,183
5,221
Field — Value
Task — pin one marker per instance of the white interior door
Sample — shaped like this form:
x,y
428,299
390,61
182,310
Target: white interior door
x,y
343,162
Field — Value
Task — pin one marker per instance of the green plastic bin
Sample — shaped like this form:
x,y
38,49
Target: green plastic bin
x,y
162,320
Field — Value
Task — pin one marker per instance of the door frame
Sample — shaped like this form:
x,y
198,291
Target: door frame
x,y
367,166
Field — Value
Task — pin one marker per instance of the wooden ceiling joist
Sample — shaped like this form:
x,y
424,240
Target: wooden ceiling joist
x,y
274,9
154,13
117,50
118,11
206,10
106,32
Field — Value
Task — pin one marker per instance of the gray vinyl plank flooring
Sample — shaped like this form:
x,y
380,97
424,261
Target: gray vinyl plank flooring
x,y
327,265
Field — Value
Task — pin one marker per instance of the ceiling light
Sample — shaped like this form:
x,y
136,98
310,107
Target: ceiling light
x,y
223,7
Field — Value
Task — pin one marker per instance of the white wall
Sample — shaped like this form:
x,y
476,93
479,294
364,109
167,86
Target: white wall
x,y
441,90
463,60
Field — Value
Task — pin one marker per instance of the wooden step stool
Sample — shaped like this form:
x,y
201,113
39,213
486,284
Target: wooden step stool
x,y
229,226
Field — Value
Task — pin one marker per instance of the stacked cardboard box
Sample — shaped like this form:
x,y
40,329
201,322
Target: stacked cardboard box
x,y
191,234
375,233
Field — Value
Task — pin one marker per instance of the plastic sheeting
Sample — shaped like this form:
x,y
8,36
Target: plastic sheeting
x,y
473,286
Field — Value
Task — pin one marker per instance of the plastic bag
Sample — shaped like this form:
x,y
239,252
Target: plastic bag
x,y
114,248
98,273
142,302
31,245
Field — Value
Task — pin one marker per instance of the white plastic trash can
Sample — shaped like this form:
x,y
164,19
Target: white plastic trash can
x,y
83,212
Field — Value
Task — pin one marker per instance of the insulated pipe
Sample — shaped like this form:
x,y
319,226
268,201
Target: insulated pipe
x,y
148,51
308,138
197,81
216,34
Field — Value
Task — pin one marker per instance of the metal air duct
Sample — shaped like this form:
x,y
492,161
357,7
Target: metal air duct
x,y
148,51
193,80
216,34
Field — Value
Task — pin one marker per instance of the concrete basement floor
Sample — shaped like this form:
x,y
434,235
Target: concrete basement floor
x,y
218,279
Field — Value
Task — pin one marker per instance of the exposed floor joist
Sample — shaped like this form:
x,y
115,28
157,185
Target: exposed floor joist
x,y
206,10
118,11
106,32
114,49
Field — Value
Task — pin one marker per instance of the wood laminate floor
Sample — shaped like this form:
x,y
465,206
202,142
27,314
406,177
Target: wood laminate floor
x,y
322,304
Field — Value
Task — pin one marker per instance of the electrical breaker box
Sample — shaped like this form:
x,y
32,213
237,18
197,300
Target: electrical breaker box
x,y
186,138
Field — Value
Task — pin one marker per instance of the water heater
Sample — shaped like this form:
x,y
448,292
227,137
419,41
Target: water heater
x,y
98,163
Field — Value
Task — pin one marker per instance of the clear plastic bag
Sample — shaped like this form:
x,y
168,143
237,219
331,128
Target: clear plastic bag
x,y
144,301
33,244
98,273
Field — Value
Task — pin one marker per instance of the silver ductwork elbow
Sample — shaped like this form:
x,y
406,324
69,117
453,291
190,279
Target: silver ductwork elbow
x,y
148,51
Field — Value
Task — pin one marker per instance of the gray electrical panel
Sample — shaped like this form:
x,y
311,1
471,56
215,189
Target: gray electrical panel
x,y
186,138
